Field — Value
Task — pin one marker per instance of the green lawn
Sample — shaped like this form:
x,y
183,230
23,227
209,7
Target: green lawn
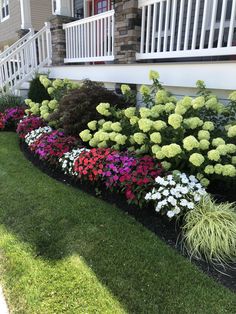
x,y
63,251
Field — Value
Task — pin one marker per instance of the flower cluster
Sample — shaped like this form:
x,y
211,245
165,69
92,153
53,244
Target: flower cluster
x,y
32,136
29,124
12,116
90,164
68,159
52,146
175,194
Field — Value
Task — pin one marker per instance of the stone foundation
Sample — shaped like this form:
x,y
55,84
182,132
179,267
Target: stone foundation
x,y
59,38
127,31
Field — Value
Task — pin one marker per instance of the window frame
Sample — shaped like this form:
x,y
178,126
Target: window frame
x,y
6,9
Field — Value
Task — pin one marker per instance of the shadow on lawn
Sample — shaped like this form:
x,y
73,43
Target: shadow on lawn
x,y
58,221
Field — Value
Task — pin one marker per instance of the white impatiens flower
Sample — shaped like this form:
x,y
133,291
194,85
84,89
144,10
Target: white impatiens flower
x,y
32,136
175,194
68,159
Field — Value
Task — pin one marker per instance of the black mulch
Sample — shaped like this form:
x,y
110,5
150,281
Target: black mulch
x,y
167,231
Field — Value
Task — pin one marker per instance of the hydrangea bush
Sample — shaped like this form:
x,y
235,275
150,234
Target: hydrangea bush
x,y
175,194
56,89
183,133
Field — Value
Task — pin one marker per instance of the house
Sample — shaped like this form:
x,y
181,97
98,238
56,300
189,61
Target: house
x,y
16,16
116,41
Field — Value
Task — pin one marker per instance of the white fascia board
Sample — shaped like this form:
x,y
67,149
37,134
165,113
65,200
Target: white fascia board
x,y
217,75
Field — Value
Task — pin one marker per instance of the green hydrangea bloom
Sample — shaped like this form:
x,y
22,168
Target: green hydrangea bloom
x,y
209,169
218,141
229,171
125,89
57,83
208,126
171,150
116,126
232,96
50,90
145,125
130,112
145,90
213,155
232,131
159,125
155,149
166,165
153,75
218,168
169,107
161,97
107,126
101,122
198,102
93,142
204,144
187,102
120,139
92,125
222,150
204,182
103,109
193,123
102,144
145,112
175,120
197,159
180,108
139,138
212,103
203,135
160,155
234,160
190,142
155,137
85,135
133,120
231,148
113,135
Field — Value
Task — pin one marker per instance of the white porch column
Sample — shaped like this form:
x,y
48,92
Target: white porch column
x,y
26,21
63,7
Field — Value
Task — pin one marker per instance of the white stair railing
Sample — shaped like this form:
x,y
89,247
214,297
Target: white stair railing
x,y
187,28
16,45
90,39
22,63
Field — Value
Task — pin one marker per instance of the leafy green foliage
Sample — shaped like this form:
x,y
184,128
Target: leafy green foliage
x,y
209,231
37,92
79,106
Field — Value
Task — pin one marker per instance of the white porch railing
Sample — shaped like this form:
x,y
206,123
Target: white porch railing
x,y
187,28
90,39
22,62
16,45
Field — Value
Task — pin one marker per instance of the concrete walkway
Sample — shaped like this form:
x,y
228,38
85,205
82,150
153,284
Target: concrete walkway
x,y
3,304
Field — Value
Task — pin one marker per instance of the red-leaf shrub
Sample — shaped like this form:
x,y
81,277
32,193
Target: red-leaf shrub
x,y
29,124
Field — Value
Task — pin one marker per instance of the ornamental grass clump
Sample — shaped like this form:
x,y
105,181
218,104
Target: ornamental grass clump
x,y
175,194
209,231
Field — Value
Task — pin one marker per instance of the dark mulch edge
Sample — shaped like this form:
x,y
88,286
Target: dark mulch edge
x,y
167,231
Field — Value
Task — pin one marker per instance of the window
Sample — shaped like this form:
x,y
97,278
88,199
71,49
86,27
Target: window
x,y
4,9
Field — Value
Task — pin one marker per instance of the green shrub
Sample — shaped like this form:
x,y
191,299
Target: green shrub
x,y
10,101
37,92
79,106
209,231
187,133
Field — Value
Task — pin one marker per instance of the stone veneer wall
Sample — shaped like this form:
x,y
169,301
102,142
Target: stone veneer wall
x,y
127,30
59,38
